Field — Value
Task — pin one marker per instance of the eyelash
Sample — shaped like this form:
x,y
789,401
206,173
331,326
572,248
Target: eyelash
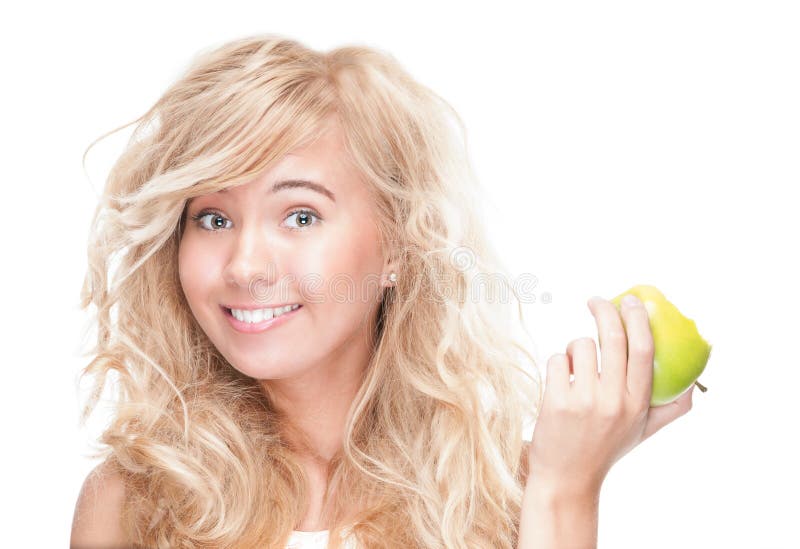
x,y
200,215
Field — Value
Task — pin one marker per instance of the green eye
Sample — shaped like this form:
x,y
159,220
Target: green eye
x,y
303,219
215,216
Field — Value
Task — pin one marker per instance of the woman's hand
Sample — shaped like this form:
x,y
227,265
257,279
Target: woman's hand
x,y
586,425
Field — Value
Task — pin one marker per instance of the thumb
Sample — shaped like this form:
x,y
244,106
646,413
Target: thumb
x,y
659,416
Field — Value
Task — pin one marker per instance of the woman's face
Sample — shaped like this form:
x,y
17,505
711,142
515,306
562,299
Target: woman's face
x,y
271,242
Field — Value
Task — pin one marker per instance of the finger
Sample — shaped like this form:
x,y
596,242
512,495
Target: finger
x,y
557,375
640,351
582,354
613,343
659,416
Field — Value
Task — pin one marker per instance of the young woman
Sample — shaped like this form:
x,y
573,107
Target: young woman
x,y
298,303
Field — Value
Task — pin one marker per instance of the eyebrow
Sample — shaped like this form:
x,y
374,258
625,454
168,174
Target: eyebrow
x,y
298,183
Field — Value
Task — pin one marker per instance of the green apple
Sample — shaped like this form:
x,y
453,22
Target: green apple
x,y
680,352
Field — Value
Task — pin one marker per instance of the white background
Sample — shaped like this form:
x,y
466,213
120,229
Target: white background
x,y
622,143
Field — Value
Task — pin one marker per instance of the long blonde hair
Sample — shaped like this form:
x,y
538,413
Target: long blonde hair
x,y
433,441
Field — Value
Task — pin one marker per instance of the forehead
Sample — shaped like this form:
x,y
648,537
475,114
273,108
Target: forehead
x,y
322,165
326,152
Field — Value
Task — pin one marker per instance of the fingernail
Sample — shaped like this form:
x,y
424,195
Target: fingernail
x,y
630,300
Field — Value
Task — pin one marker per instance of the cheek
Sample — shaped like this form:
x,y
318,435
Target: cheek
x,y
346,270
195,271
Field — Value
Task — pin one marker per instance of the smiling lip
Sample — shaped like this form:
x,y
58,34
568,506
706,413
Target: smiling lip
x,y
255,307
258,327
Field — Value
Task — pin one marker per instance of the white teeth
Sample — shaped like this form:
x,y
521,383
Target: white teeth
x,y
261,314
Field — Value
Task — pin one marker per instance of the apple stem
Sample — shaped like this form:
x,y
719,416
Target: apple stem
x,y
701,386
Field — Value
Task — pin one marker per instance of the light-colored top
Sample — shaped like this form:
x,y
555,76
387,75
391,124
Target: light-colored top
x,y
316,540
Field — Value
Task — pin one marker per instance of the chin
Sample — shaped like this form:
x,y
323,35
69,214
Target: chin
x,y
265,369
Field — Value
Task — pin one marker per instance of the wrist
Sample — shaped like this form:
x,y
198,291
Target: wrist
x,y
551,490
557,515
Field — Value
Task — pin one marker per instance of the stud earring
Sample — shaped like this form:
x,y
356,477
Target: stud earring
x,y
393,277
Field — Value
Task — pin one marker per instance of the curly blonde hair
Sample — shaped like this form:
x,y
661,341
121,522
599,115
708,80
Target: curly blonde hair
x,y
433,441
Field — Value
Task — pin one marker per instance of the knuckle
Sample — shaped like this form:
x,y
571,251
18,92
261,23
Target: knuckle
x,y
556,360
643,348
560,405
612,408
554,401
638,408
582,343
616,336
584,405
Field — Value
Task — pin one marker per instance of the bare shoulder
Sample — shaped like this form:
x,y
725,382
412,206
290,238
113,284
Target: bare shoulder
x,y
97,519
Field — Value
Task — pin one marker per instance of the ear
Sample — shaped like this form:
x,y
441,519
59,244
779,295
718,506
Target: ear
x,y
389,267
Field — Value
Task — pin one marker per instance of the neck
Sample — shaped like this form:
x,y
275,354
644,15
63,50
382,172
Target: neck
x,y
316,401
